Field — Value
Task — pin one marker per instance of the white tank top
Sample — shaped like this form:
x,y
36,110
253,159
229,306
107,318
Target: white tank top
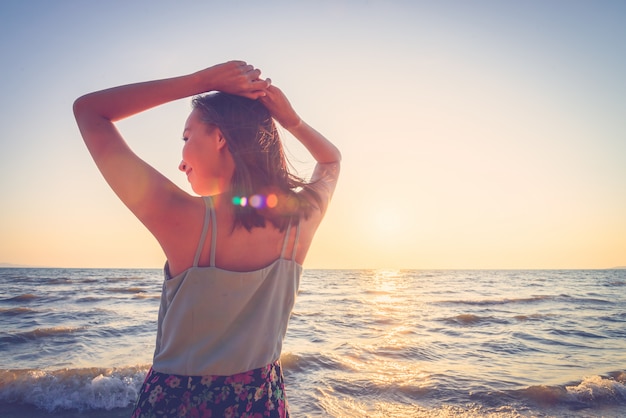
x,y
221,322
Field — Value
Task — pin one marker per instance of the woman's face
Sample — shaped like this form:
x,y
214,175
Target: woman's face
x,y
203,155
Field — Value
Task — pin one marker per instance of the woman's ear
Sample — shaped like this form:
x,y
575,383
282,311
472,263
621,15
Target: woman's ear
x,y
221,141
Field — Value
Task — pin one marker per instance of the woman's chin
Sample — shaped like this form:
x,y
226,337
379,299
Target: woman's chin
x,y
205,191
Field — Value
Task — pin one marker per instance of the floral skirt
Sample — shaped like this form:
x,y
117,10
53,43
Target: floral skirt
x,y
256,393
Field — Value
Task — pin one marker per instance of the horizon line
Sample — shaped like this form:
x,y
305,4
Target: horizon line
x,y
12,265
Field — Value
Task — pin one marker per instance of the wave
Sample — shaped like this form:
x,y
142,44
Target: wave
x,y
529,300
591,392
505,301
130,289
16,311
309,362
123,278
419,397
577,333
316,361
533,317
88,299
55,281
38,333
472,319
335,406
26,297
33,298
82,389
143,295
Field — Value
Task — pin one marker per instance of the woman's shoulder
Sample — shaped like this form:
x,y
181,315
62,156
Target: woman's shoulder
x,y
322,185
179,233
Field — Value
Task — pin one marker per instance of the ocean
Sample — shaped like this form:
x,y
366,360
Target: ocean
x,y
361,343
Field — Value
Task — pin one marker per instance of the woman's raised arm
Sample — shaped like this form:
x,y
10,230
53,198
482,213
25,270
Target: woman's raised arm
x,y
320,148
327,155
144,190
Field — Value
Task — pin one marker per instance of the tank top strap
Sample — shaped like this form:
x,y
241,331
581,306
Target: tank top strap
x,y
282,252
295,241
209,217
213,232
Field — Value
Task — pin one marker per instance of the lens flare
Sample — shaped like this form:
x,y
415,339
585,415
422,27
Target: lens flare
x,y
257,201
240,201
272,200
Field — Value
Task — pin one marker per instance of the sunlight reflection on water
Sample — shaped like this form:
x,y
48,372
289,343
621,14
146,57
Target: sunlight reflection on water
x,y
376,343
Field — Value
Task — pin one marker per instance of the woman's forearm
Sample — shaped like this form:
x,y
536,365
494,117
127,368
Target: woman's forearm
x,y
113,104
320,148
120,102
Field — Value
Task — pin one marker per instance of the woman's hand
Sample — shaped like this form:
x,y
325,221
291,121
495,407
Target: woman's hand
x,y
276,102
234,77
320,148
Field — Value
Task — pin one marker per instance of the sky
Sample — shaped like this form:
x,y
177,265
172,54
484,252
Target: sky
x,y
474,134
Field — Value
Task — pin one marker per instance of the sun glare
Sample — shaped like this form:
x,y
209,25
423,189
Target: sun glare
x,y
387,228
386,224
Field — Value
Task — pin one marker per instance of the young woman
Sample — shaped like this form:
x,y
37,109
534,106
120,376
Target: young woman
x,y
234,252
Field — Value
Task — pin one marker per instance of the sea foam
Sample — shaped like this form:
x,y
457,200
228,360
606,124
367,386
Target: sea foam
x,y
81,389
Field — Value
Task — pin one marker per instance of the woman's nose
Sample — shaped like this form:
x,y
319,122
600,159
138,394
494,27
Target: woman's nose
x,y
182,166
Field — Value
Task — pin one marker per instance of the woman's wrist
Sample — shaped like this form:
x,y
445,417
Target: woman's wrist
x,y
294,125
203,81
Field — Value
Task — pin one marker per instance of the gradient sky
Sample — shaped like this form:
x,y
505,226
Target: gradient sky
x,y
475,134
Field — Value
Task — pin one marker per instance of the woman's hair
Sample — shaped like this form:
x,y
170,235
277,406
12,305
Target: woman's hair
x,y
262,188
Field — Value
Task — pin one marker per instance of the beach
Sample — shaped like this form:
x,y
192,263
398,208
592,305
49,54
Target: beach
x,y
361,343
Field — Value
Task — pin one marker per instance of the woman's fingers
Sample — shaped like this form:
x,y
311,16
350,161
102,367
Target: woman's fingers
x,y
241,78
280,108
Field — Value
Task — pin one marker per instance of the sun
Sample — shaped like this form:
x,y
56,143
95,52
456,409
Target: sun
x,y
386,223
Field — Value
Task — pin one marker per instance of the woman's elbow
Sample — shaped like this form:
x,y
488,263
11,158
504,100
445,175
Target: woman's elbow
x,y
79,106
333,156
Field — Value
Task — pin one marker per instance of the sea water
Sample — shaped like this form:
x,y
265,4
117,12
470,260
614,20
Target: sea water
x,y
361,343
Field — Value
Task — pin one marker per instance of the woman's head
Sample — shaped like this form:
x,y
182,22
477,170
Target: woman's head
x,y
260,166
